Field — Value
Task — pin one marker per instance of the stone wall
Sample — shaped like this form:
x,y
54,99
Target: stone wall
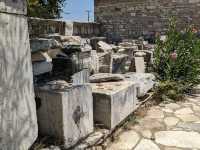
x,y
132,18
39,27
18,122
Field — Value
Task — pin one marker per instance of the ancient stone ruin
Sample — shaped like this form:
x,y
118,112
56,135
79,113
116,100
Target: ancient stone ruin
x,y
72,80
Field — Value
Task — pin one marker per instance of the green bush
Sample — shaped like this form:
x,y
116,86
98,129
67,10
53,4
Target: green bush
x,y
176,62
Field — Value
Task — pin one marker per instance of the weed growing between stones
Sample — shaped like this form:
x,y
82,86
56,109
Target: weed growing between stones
x,y
177,62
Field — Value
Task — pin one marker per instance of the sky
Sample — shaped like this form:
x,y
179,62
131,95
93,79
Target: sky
x,y
75,10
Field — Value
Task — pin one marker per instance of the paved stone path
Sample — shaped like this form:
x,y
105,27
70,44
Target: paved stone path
x,y
173,126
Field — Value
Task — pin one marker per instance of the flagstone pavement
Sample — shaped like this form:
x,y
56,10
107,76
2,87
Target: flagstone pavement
x,y
172,126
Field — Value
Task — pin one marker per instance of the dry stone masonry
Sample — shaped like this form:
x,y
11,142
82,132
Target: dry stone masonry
x,y
132,18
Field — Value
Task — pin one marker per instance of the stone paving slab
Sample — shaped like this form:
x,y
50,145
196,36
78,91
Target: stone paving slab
x,y
173,126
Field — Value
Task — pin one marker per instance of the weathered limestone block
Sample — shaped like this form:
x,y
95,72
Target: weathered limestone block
x,y
18,122
38,44
106,77
42,67
13,6
103,47
65,113
119,63
105,62
81,77
113,102
145,81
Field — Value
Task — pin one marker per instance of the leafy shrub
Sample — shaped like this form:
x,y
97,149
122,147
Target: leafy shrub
x,y
176,62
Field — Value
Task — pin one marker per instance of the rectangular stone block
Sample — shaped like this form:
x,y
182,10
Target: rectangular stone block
x,y
13,6
105,62
18,122
42,67
65,113
145,82
113,102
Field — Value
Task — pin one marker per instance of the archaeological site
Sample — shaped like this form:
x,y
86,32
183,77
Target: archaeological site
x,y
127,80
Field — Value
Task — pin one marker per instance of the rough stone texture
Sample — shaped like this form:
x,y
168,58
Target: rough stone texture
x,y
184,111
113,102
65,113
105,62
126,141
42,67
155,114
147,145
190,126
13,6
105,77
81,77
133,18
146,134
180,139
145,81
38,44
188,117
18,122
171,121
119,63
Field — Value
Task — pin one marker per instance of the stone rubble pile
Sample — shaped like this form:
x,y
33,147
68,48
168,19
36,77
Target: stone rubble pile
x,y
81,83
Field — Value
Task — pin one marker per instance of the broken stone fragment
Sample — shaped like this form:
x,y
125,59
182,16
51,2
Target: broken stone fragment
x,y
94,41
54,53
119,63
140,54
75,43
81,77
40,56
103,47
113,102
106,77
145,81
38,44
105,62
55,85
66,114
42,67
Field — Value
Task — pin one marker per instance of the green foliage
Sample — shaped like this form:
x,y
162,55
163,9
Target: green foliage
x,y
177,61
48,9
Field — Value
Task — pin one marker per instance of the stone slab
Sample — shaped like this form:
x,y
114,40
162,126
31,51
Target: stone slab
x,y
126,141
65,113
39,44
13,6
145,81
113,102
105,77
18,122
42,67
181,139
105,62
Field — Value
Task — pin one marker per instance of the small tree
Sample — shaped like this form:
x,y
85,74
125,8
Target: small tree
x,y
177,60
48,9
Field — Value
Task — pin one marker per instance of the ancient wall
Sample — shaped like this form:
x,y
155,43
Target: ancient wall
x,y
130,18
39,27
18,122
